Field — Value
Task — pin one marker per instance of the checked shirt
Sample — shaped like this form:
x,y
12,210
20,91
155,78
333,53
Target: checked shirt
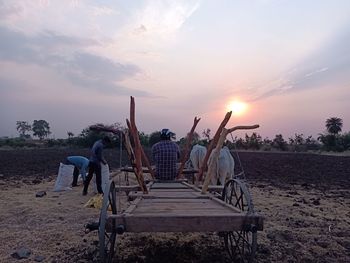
x,y
165,155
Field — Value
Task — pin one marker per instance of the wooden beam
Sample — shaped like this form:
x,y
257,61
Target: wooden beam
x,y
188,222
187,147
143,155
214,157
245,127
135,135
212,144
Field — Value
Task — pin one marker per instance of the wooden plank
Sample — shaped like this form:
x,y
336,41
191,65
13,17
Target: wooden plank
x,y
133,206
175,185
187,200
168,196
127,188
185,222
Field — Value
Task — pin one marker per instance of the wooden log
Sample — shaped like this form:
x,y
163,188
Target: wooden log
x,y
213,160
243,127
131,154
143,155
135,135
187,147
212,144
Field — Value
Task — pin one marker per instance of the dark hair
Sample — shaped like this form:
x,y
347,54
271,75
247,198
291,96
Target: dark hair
x,y
165,134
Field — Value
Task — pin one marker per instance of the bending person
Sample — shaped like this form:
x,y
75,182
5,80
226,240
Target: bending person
x,y
81,164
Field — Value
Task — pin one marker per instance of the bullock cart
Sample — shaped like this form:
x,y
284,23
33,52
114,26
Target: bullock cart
x,y
176,206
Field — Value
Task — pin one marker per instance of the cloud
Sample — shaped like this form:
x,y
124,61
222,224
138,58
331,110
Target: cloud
x,y
164,18
327,66
59,53
7,11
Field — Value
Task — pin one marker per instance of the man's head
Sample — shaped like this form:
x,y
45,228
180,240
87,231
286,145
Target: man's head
x,y
166,134
106,140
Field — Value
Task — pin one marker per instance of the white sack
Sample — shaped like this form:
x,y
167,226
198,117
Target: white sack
x,y
64,178
104,178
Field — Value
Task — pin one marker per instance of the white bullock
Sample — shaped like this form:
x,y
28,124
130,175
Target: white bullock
x,y
224,167
197,155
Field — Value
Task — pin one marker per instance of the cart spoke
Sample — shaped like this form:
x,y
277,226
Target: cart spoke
x,y
241,245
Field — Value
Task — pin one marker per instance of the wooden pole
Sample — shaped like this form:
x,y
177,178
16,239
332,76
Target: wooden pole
x,y
138,147
187,147
214,157
212,144
143,154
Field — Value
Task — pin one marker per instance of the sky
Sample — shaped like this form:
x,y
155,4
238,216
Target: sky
x,y
76,63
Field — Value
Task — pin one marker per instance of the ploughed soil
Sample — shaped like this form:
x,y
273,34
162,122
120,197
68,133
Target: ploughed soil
x,y
304,198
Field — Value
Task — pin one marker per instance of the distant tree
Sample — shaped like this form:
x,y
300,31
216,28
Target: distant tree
x,y
297,143
23,127
329,142
154,137
144,138
41,129
334,125
196,138
70,134
345,141
254,141
238,143
279,143
206,134
311,143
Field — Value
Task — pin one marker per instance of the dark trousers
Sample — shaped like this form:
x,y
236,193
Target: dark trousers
x,y
94,168
75,173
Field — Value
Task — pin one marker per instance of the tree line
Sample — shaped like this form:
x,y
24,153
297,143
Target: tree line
x,y
331,140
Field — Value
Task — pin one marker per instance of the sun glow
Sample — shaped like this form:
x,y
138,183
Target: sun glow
x,y
237,107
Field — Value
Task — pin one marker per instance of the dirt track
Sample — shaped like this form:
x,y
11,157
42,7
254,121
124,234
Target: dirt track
x,y
305,199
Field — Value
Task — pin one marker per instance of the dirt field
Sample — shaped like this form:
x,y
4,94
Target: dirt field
x,y
305,199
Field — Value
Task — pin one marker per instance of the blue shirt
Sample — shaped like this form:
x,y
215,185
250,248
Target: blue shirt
x,y
81,163
165,155
96,152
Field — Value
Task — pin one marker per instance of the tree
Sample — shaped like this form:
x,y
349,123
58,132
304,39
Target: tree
x,y
279,143
334,125
154,137
23,127
41,129
70,134
206,134
254,141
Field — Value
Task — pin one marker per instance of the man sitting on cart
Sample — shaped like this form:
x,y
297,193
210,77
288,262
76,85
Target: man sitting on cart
x,y
166,154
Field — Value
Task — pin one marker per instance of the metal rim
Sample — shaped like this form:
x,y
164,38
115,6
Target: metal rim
x,y
241,245
107,240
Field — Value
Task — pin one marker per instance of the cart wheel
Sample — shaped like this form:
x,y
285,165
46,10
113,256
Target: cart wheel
x,y
107,240
241,245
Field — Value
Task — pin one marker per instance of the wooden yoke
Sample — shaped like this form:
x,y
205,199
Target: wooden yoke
x,y
138,146
216,153
212,144
187,147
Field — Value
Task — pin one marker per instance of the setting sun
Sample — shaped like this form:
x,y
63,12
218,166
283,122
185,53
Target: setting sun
x,y
237,107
